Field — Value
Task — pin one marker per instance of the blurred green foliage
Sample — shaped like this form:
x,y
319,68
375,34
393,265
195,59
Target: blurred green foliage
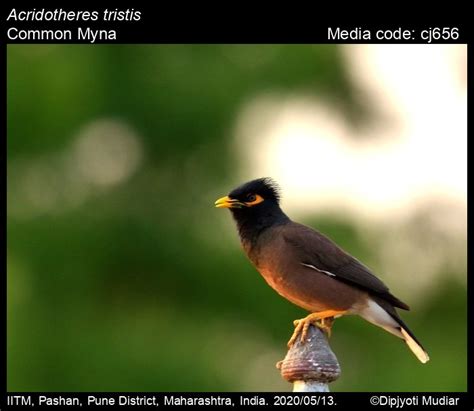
x,y
141,285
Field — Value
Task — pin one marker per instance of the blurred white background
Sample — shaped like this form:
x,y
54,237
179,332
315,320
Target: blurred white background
x,y
410,163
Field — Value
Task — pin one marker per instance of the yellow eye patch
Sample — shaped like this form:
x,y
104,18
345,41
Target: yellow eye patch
x,y
258,200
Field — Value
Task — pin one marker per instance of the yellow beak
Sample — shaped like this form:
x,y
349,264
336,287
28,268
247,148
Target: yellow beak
x,y
227,202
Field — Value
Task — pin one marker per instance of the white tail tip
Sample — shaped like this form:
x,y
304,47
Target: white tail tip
x,y
421,354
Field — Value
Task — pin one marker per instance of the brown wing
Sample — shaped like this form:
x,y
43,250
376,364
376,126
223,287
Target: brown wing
x,y
315,249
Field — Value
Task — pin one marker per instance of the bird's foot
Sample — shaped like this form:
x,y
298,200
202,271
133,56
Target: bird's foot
x,y
325,324
322,320
302,326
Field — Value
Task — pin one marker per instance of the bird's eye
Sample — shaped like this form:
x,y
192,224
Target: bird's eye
x,y
251,198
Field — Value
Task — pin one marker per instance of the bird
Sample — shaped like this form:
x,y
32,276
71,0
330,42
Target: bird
x,y
309,269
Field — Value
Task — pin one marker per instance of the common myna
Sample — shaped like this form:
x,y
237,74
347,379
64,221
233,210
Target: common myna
x,y
308,269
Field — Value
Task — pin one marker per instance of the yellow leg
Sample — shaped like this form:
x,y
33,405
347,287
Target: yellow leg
x,y
322,319
326,325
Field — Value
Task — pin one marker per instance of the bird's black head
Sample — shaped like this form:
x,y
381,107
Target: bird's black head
x,y
254,206
251,194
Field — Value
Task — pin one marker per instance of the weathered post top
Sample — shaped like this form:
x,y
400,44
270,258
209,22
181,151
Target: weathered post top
x,y
311,365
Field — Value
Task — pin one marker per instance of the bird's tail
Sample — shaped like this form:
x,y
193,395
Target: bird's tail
x,y
412,342
383,314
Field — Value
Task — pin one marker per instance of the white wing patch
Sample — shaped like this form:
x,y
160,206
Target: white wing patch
x,y
317,269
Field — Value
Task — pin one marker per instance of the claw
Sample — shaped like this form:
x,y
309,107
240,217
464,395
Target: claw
x,y
323,320
325,325
298,325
